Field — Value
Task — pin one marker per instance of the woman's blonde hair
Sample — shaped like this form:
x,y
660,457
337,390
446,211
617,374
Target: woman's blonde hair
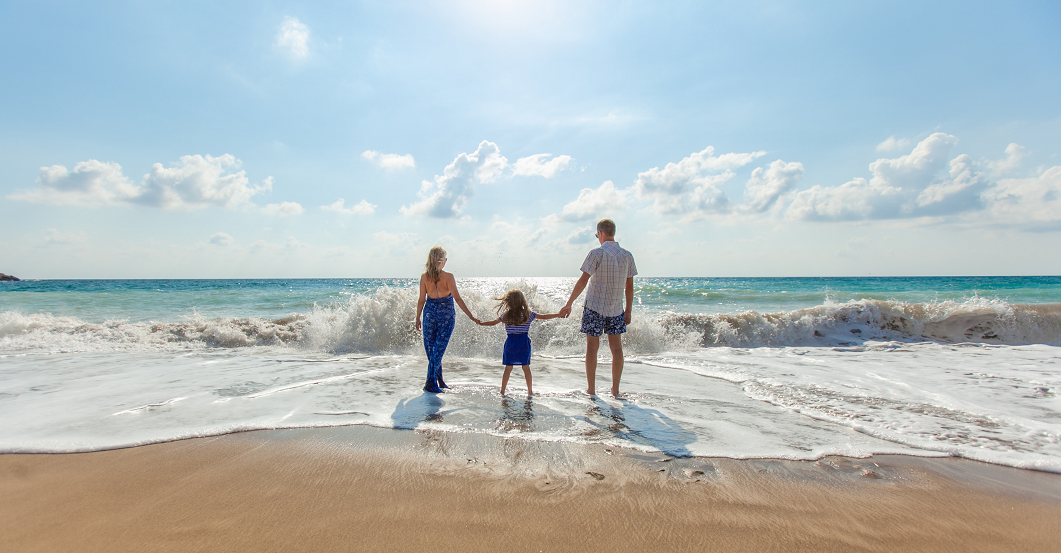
x,y
433,267
513,309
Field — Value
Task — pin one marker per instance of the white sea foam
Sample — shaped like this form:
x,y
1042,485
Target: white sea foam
x,y
996,404
382,322
977,378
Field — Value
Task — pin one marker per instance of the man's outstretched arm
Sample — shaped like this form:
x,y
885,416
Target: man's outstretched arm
x,y
629,298
579,287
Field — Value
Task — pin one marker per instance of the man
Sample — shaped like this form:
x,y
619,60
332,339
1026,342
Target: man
x,y
609,270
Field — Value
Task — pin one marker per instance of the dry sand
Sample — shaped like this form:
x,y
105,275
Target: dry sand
x,y
364,489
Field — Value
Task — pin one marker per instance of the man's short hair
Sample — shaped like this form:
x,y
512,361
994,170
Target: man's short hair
x,y
606,227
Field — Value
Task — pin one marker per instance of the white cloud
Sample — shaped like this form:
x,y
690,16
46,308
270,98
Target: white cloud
x,y
363,208
1014,155
918,167
855,199
593,203
765,187
581,235
503,233
198,181
536,165
222,239
960,192
390,162
193,183
892,144
1032,203
691,186
293,38
91,182
446,196
56,238
538,235
907,186
664,233
283,209
400,245
292,243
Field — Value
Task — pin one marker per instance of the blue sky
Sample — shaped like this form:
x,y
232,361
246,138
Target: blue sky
x,y
183,139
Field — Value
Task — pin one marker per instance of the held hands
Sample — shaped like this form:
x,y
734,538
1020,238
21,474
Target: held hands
x,y
565,311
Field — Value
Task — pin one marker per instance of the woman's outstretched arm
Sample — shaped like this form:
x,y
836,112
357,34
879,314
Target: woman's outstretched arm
x,y
420,302
457,298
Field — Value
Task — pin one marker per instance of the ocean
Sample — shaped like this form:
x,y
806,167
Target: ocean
x,y
786,368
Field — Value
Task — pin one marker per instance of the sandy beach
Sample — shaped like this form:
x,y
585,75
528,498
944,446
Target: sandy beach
x,y
369,489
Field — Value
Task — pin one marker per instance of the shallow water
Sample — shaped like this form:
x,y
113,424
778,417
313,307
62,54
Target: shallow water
x,y
962,373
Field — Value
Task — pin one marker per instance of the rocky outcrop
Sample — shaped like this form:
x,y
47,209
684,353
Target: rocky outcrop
x,y
9,277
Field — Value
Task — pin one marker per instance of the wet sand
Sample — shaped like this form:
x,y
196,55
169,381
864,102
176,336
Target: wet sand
x,y
367,489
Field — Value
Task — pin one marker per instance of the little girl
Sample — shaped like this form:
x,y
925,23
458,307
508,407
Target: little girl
x,y
514,312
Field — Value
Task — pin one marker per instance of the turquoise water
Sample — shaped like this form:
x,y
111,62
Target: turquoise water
x,y
173,300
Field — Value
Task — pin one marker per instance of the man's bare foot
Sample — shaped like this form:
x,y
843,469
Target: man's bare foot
x,y
591,392
616,394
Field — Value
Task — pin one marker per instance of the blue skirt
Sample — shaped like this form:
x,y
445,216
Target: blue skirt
x,y
517,350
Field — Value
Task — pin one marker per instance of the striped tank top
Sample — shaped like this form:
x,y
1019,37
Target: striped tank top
x,y
519,329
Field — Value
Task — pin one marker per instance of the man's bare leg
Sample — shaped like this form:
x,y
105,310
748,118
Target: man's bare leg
x,y
592,344
615,343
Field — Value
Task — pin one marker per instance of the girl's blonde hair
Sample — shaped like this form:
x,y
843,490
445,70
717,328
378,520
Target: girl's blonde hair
x,y
513,309
433,267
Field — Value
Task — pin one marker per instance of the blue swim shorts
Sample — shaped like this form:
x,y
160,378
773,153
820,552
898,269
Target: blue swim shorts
x,y
595,324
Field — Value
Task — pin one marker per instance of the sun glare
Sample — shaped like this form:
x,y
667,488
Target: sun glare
x,y
514,17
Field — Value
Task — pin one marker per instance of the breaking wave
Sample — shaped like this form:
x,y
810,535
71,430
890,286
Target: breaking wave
x,y
382,322
979,320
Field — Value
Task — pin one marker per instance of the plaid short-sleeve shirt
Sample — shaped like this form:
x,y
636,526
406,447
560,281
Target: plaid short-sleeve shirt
x,y
608,267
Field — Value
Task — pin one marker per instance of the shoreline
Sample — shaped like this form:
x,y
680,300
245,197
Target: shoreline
x,y
368,488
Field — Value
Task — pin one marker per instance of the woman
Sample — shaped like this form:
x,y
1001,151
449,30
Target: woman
x,y
438,291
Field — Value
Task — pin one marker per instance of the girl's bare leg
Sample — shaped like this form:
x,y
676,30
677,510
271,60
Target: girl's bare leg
x,y
504,379
526,373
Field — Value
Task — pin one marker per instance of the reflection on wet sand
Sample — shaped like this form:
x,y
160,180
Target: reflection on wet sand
x,y
515,416
641,426
409,413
